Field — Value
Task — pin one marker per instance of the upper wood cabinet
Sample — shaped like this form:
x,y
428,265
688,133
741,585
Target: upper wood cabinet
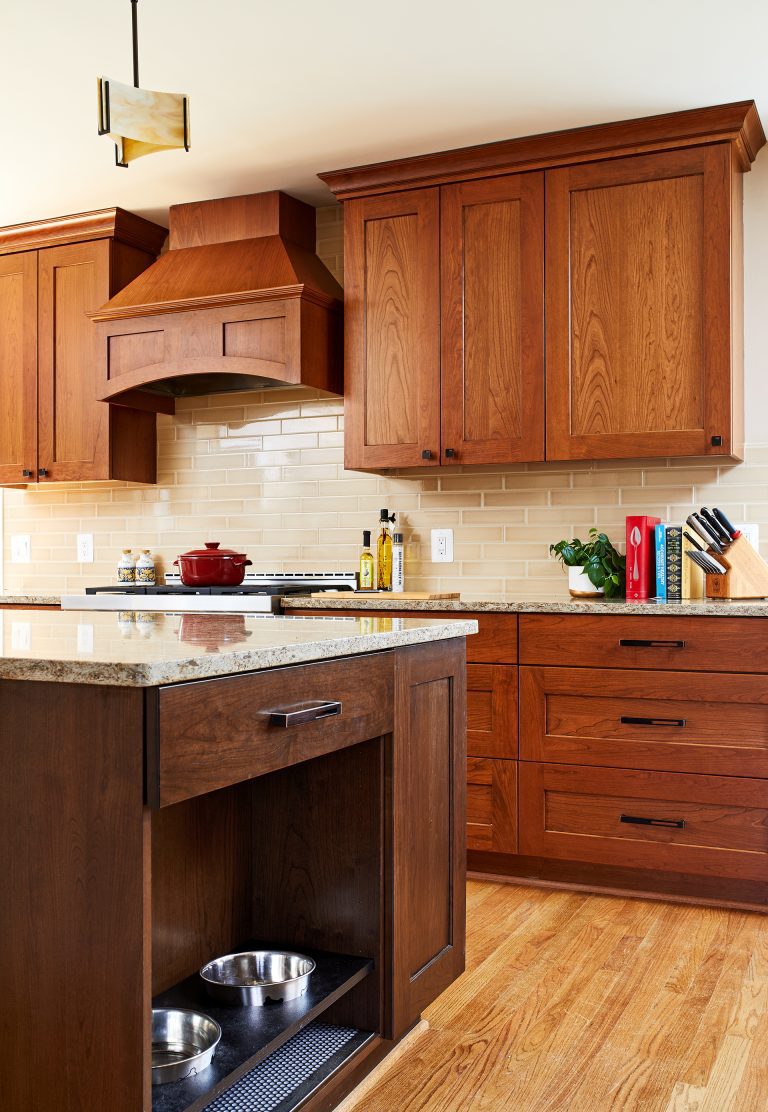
x,y
492,317
619,299
392,342
52,426
640,323
444,309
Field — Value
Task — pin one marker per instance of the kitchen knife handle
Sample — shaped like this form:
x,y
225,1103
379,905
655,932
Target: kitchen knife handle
x,y
639,820
634,643
303,712
631,720
730,529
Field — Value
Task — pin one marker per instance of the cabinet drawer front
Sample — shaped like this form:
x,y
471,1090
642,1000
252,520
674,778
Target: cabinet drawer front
x,y
706,825
218,732
492,805
491,710
673,721
674,643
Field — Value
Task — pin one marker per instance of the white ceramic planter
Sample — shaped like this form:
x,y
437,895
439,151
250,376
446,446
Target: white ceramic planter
x,y
581,586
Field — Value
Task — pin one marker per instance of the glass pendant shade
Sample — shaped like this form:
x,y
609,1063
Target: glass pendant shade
x,y
140,121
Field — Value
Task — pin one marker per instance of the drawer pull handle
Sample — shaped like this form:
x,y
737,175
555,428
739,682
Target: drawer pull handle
x,y
638,820
633,643
630,720
303,712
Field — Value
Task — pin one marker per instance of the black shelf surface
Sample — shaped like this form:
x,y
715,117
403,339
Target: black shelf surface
x,y
249,1035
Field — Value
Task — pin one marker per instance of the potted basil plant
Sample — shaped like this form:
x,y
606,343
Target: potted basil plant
x,y
595,568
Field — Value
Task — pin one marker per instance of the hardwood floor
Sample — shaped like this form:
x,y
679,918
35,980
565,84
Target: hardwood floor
x,y
592,1003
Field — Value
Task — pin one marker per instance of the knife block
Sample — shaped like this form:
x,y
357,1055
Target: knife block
x,y
747,574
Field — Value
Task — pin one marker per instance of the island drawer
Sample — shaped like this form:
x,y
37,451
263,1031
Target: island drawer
x,y
673,721
672,643
492,805
705,825
491,710
212,733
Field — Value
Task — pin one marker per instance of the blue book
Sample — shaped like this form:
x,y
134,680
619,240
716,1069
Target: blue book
x,y
660,536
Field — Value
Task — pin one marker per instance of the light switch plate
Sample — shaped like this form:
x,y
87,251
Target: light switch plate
x,y
21,548
85,548
442,546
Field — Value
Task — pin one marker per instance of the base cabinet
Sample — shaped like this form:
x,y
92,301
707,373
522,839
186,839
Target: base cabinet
x,y
492,805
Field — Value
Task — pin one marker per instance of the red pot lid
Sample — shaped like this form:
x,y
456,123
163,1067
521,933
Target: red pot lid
x,y
212,549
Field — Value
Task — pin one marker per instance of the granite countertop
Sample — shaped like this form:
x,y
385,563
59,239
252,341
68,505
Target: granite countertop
x,y
135,649
34,598
552,603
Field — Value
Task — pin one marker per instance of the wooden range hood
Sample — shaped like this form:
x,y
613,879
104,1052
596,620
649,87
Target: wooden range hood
x,y
239,301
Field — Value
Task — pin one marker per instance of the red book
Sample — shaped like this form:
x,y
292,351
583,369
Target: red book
x,y
641,557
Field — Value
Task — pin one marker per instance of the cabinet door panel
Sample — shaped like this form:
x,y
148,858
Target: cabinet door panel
x,y
492,805
429,807
392,315
492,251
638,306
74,426
491,710
18,367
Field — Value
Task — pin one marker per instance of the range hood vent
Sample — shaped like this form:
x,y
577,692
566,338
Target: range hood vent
x,y
239,301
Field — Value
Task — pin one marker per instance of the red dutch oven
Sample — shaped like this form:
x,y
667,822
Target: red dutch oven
x,y
212,566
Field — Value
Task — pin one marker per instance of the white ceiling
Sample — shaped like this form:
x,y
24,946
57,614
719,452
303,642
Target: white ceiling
x,y
281,89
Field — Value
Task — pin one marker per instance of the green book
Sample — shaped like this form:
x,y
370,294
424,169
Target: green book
x,y
674,535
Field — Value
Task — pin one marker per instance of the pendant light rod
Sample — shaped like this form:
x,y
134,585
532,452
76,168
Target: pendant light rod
x,y
135,29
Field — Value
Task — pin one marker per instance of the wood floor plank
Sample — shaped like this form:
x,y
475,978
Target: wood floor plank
x,y
580,1003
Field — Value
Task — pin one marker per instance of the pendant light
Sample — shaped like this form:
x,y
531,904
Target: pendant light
x,y
140,121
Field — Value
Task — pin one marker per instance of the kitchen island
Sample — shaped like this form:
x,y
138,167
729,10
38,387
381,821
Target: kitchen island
x,y
177,790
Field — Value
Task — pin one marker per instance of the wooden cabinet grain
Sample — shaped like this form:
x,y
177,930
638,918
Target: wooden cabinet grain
x,y
52,427
492,805
392,341
18,367
640,329
642,238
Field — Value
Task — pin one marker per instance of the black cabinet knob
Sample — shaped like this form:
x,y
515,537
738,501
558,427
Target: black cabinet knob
x,y
26,473
426,454
717,441
450,453
42,472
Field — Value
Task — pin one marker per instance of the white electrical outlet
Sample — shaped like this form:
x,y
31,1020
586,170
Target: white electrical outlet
x,y
442,546
20,548
85,638
21,636
85,548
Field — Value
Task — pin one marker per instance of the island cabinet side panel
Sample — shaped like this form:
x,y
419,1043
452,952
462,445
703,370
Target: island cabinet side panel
x,y
428,807
72,916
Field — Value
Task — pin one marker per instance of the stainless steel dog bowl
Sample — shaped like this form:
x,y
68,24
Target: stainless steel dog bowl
x,y
183,1043
257,977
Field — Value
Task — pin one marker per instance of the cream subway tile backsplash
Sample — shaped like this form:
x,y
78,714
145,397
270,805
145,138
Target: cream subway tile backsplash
x,y
264,471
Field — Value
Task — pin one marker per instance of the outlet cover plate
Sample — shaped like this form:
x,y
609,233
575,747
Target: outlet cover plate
x,y
442,546
21,547
85,548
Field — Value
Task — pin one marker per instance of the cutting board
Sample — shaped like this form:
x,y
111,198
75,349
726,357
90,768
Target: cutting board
x,y
396,596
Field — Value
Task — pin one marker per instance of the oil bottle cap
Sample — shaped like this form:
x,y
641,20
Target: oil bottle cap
x,y
397,538
385,515
366,538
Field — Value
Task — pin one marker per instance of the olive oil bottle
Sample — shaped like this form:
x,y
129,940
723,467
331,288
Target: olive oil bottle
x,y
384,552
367,564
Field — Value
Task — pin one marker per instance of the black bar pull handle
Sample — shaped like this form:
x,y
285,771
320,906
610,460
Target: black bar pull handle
x,y
634,643
639,820
303,712
631,720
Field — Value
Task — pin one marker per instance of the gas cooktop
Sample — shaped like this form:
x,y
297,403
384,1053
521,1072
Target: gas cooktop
x,y
260,592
